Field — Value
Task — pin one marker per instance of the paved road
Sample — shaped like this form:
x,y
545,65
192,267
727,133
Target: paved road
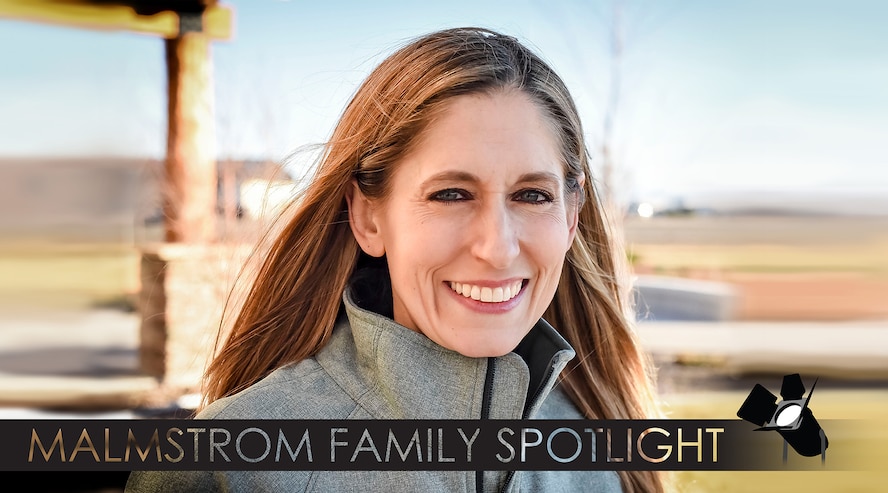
x,y
853,349
67,363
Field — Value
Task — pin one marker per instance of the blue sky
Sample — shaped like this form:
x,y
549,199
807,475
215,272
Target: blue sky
x,y
731,96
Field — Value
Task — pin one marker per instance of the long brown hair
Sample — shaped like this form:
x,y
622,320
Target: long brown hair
x,y
290,310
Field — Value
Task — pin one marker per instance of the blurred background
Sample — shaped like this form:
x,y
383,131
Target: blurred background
x,y
741,143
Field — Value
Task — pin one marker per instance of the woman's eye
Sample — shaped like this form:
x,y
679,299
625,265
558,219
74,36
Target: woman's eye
x,y
533,196
449,195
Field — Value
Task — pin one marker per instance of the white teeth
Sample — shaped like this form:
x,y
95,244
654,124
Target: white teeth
x,y
476,293
485,294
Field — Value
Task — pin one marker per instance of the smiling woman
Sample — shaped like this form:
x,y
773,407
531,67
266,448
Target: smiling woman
x,y
449,260
476,210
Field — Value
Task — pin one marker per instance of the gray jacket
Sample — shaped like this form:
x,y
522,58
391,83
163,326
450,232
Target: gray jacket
x,y
374,368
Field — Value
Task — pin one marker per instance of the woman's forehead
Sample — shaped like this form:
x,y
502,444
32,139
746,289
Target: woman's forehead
x,y
504,131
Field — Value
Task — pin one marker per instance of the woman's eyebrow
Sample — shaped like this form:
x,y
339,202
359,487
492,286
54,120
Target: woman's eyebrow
x,y
465,176
540,176
451,176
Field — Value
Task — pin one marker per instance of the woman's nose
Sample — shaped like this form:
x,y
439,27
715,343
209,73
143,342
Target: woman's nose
x,y
495,236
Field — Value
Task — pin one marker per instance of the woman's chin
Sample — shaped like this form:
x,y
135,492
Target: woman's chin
x,y
474,348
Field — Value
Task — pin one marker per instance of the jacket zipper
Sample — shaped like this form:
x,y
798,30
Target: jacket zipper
x,y
511,474
486,397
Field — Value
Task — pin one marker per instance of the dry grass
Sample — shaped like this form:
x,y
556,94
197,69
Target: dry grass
x,y
73,276
856,453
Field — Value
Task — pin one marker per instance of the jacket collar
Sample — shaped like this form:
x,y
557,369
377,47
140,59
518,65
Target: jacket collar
x,y
393,372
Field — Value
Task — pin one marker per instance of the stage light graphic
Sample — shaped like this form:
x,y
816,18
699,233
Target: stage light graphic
x,y
791,417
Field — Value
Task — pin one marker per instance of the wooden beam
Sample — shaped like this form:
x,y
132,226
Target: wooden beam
x,y
191,175
216,20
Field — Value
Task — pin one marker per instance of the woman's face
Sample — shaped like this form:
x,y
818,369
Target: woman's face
x,y
476,225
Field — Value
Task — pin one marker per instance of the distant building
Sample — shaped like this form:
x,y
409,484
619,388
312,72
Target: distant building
x,y
106,198
650,207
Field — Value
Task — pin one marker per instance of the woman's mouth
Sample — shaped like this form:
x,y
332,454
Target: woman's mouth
x,y
487,294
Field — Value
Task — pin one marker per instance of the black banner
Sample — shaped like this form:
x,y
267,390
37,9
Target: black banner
x,y
161,444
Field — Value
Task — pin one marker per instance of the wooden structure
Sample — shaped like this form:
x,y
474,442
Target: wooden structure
x,y
187,27
177,305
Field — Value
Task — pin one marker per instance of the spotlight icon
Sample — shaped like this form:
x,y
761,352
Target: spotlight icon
x,y
791,417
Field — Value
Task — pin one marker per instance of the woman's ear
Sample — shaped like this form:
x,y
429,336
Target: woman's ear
x,y
573,212
362,217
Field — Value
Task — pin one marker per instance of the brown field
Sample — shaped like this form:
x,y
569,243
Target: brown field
x,y
783,268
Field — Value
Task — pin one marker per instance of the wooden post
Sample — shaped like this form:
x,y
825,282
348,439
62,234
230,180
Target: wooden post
x,y
229,193
191,176
180,298
188,28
